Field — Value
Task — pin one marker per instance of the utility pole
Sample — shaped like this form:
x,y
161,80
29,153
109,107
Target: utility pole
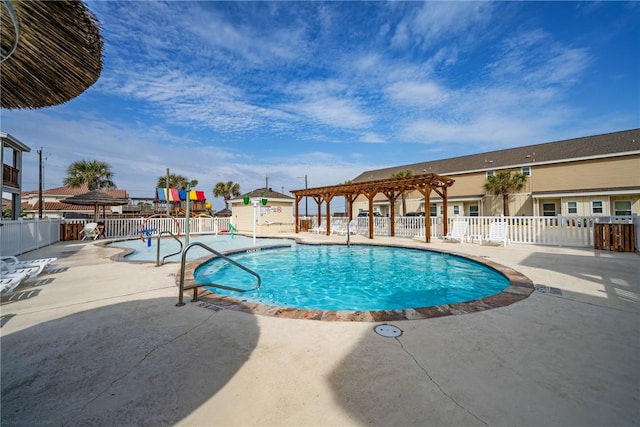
x,y
166,185
40,183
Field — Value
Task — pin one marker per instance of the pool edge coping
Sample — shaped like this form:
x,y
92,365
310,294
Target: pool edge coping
x,y
519,288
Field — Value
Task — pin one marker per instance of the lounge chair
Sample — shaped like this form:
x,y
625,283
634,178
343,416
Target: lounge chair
x,y
498,234
458,232
351,228
9,282
322,228
11,263
339,227
6,270
90,231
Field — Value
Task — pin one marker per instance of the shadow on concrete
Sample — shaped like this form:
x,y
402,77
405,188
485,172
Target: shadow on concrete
x,y
536,363
19,296
383,385
5,318
617,273
142,362
27,289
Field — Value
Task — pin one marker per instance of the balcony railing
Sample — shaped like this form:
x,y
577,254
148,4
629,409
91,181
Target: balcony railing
x,y
10,176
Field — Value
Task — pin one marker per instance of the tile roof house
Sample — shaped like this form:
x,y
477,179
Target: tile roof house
x,y
593,175
52,207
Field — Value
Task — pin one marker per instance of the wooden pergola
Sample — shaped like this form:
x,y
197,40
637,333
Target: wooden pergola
x,y
392,188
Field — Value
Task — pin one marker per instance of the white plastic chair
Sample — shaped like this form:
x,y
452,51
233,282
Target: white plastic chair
x,y
458,232
6,270
90,231
498,233
10,263
9,282
322,228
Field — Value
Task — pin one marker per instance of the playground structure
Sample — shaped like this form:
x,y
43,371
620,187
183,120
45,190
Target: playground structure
x,y
176,200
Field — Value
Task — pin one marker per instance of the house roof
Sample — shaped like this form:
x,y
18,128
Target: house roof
x,y
55,206
12,142
266,193
73,191
605,145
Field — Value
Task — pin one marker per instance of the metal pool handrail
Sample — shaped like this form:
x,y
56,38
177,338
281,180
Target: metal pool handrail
x,y
158,263
198,285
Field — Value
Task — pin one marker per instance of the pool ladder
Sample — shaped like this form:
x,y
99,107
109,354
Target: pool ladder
x,y
158,263
215,285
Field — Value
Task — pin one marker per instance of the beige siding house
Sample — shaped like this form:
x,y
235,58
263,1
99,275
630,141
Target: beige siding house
x,y
594,175
274,215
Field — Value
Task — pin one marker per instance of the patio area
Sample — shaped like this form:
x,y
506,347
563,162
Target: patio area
x,y
95,342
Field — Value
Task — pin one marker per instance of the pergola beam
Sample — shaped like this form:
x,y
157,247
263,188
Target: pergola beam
x,y
390,187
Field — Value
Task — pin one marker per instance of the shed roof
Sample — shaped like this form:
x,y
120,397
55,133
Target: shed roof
x,y
265,193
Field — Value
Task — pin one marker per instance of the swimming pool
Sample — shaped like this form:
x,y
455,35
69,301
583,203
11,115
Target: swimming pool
x,y
354,278
220,242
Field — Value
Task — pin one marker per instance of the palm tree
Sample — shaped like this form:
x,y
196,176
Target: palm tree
x,y
95,174
227,190
402,175
176,181
503,183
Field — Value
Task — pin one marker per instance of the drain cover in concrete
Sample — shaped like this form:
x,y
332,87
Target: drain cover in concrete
x,y
388,331
548,290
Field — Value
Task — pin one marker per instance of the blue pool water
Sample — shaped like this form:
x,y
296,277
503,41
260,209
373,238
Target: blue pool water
x,y
357,277
220,242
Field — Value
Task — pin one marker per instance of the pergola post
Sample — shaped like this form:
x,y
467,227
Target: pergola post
x,y
391,188
298,198
392,196
442,192
426,193
370,194
318,200
327,200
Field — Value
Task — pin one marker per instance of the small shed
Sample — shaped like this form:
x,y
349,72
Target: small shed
x,y
273,212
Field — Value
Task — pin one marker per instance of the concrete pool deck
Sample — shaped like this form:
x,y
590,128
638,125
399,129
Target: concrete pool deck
x,y
95,342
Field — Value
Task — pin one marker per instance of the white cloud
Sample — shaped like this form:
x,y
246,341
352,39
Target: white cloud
x,y
341,113
418,93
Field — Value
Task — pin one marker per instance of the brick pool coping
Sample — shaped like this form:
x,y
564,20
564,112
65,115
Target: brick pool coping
x,y
519,288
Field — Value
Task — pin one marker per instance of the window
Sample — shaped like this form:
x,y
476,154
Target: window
x,y
490,173
473,210
622,207
548,209
433,209
456,209
572,207
525,170
597,207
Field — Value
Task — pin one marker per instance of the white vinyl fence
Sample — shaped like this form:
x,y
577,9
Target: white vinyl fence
x,y
18,237
572,231
24,235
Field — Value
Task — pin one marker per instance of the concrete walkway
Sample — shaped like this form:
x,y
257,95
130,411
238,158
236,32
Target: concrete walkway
x,y
95,342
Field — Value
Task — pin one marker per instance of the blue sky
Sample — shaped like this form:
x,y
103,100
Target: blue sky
x,y
220,91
